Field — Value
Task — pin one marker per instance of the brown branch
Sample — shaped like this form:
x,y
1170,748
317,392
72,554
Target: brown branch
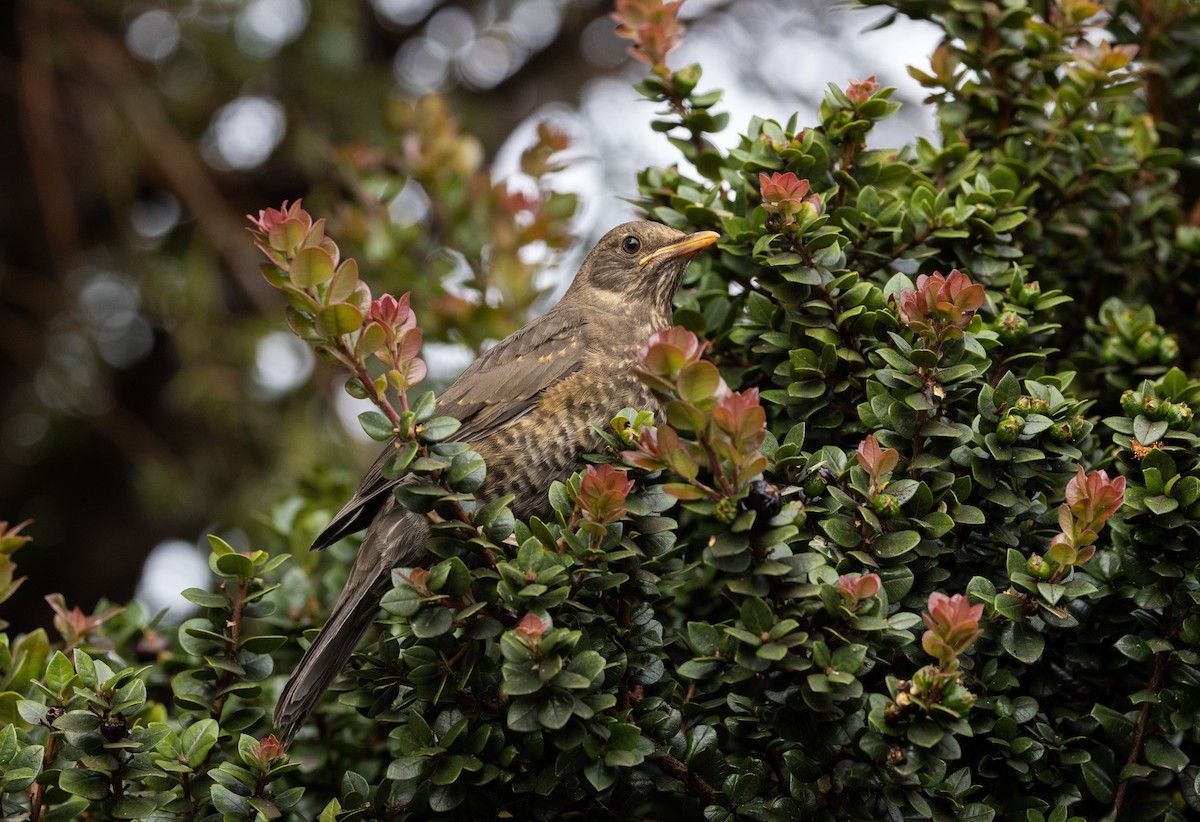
x,y
37,791
37,97
692,781
1140,730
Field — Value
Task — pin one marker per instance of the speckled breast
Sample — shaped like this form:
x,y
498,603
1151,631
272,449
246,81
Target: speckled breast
x,y
548,442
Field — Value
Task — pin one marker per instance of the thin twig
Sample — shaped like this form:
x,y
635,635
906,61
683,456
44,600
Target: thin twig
x,y
1139,732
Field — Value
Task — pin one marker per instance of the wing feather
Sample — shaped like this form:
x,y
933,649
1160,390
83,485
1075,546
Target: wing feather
x,y
500,386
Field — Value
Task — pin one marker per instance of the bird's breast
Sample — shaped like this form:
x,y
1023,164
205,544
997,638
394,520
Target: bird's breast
x,y
548,443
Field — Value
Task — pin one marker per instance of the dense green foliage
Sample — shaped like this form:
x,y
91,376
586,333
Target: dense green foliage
x,y
874,580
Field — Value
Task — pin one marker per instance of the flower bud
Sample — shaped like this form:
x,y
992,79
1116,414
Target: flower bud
x,y
1023,406
726,511
1038,568
1152,408
1009,429
1168,350
1077,424
1147,344
885,505
1011,327
814,486
1061,431
1131,402
1178,414
1029,293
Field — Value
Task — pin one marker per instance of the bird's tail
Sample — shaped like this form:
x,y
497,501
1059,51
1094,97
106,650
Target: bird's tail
x,y
325,658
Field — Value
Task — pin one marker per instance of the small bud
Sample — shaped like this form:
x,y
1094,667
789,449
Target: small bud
x,y
726,511
1023,406
1061,431
1146,346
1177,414
1040,407
1029,294
1131,402
1152,408
1009,429
813,487
895,755
1077,424
1011,327
1038,568
1168,350
885,505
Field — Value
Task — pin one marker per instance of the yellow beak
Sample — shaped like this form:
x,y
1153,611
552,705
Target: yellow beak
x,y
684,248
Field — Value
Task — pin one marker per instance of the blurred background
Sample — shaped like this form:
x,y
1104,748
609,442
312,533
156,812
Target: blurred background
x,y
150,391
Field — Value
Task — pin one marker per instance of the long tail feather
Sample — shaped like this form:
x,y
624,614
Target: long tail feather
x,y
325,658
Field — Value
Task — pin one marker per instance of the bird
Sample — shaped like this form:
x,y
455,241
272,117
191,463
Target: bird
x,y
527,406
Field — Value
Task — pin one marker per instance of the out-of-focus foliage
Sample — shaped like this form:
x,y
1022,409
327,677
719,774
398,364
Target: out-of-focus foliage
x,y
916,538
146,390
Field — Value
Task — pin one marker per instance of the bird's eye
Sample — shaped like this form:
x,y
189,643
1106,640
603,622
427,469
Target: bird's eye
x,y
631,244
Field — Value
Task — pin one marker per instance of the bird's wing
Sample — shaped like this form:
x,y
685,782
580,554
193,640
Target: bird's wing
x,y
500,386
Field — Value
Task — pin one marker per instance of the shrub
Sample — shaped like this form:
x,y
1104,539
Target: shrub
x,y
917,538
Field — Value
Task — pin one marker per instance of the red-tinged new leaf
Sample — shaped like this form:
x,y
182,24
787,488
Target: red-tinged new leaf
x,y
531,628
371,340
408,345
602,493
859,91
877,462
287,236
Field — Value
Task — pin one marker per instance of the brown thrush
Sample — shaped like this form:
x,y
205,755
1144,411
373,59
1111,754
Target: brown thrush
x,y
527,406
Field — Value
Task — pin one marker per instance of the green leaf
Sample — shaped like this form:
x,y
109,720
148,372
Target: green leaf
x,y
310,267
704,638
439,428
88,784
1134,647
1148,431
895,544
841,532
467,472
925,733
60,673
698,381
1162,754
376,426
338,319
197,739
1022,641
134,807
756,615
432,621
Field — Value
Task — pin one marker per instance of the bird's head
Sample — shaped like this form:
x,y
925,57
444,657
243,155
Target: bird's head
x,y
638,263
